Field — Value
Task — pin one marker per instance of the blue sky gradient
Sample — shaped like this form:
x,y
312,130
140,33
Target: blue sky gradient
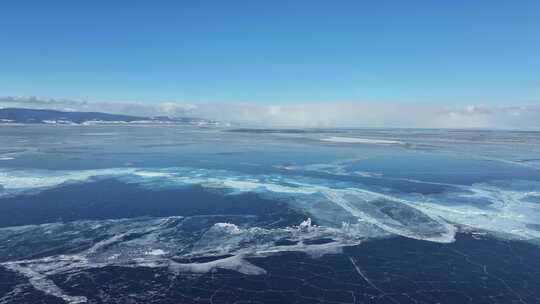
x,y
273,52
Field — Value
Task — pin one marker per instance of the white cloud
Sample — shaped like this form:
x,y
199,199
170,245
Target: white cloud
x,y
173,108
378,115
315,115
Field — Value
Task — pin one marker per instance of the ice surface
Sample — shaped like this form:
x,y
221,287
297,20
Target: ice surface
x,y
356,140
161,243
434,217
349,191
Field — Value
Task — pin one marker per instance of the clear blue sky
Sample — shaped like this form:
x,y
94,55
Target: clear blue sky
x,y
272,52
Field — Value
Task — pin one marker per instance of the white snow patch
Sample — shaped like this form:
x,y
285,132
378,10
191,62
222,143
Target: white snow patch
x,y
156,252
235,263
356,140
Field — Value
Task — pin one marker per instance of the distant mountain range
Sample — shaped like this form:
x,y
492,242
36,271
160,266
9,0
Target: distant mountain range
x,y
44,116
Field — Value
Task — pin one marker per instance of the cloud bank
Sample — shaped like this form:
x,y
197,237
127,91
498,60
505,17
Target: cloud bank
x,y
526,117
